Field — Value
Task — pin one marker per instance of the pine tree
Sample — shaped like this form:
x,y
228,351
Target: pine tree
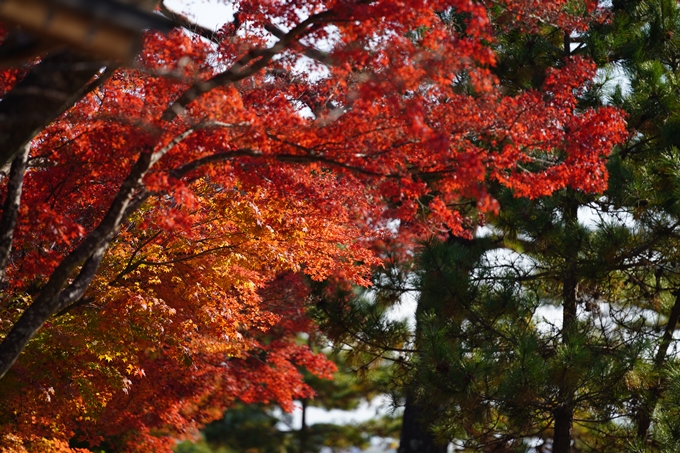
x,y
601,376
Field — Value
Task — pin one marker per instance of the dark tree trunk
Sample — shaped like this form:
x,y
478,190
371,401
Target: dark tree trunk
x,y
415,435
563,421
10,210
304,434
564,411
646,409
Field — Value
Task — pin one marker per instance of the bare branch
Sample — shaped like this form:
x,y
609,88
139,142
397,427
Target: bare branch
x,y
65,73
286,158
308,51
184,22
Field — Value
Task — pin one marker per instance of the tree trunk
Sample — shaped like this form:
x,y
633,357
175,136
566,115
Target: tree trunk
x,y
563,421
10,210
643,417
415,436
564,412
303,433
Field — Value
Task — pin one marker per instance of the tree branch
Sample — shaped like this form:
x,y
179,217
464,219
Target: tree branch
x,y
184,22
308,52
132,266
10,210
76,290
65,74
286,158
53,298
643,417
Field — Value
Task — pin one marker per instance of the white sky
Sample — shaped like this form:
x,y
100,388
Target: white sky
x,y
208,13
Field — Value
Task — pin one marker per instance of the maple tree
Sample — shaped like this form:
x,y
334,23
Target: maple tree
x,y
148,234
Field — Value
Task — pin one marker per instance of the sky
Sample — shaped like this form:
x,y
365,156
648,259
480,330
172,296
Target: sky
x,y
208,13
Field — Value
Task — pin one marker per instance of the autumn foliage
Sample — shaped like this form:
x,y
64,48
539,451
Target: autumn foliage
x,y
255,167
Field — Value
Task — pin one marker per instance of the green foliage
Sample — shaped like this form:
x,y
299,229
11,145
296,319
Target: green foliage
x,y
485,368
246,428
199,447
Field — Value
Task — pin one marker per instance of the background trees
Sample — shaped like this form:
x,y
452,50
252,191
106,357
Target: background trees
x,y
265,428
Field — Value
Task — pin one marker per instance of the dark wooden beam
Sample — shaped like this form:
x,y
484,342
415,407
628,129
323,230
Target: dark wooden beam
x,y
105,29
